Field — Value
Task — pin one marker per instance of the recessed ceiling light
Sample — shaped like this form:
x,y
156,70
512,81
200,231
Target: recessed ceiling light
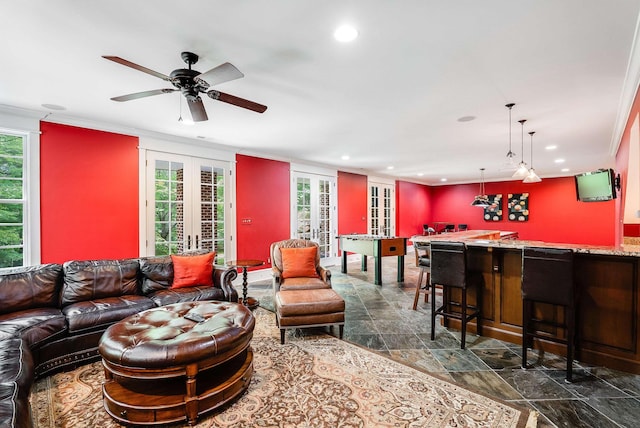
x,y
390,167
345,157
552,147
565,170
443,179
345,33
559,161
53,107
420,174
466,118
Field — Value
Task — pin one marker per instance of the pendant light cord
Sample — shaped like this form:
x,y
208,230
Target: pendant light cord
x,y
522,121
531,134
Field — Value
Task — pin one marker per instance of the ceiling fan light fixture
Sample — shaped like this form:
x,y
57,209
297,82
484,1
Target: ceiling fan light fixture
x,y
186,122
191,83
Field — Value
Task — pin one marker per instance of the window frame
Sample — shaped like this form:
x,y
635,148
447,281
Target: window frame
x,y
30,193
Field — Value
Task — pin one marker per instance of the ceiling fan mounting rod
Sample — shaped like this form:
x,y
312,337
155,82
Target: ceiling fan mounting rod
x,y
190,58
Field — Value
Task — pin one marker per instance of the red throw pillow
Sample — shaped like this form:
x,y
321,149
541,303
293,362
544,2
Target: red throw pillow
x,y
189,271
298,262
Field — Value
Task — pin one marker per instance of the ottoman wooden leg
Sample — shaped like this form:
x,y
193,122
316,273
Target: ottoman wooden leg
x,y
282,336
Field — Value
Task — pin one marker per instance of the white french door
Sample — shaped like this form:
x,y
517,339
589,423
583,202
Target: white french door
x,y
382,203
313,212
187,204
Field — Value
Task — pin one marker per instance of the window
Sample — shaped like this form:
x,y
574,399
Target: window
x,y
12,199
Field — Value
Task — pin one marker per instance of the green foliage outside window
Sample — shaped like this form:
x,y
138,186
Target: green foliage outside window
x,y
12,200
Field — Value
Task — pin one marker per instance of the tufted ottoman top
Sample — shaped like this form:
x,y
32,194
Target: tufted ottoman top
x,y
162,337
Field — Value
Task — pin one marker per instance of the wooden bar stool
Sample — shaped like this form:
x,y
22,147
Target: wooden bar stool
x,y
449,270
423,262
547,277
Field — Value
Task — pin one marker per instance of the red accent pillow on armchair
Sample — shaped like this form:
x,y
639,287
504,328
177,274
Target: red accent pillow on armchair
x,y
189,271
297,262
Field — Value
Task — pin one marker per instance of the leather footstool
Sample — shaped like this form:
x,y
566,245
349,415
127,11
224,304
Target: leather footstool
x,y
308,308
175,362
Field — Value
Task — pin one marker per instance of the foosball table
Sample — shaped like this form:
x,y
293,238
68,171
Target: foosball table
x,y
376,246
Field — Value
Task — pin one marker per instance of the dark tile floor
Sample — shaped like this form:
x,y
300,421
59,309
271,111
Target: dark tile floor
x,y
380,318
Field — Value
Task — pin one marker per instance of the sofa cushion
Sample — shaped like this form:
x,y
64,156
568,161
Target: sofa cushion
x,y
302,283
157,273
189,271
30,287
99,313
34,326
190,294
98,279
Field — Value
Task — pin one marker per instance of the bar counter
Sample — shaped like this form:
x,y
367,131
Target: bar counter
x,y
608,295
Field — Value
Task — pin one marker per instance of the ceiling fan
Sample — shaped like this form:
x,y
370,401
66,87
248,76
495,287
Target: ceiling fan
x,y
192,83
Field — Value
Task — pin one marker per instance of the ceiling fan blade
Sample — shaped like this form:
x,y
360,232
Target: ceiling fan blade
x,y
143,94
136,67
198,113
220,74
236,101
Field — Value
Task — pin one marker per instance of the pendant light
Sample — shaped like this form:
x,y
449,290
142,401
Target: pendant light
x,y
481,199
522,170
531,177
510,154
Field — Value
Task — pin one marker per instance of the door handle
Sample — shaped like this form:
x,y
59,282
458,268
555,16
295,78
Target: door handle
x,y
188,242
197,245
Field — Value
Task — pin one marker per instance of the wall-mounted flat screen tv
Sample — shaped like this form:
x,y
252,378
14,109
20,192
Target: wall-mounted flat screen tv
x,y
596,186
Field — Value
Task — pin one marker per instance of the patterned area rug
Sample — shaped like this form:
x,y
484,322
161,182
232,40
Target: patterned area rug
x,y
311,381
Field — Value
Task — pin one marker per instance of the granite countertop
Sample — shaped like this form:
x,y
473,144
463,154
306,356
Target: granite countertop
x,y
622,250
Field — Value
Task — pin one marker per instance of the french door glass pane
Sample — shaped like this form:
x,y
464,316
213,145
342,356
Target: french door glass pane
x,y
169,207
212,204
374,227
324,229
12,208
303,216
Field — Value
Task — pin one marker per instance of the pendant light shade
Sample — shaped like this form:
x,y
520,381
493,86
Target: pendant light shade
x,y
511,156
522,170
531,177
481,199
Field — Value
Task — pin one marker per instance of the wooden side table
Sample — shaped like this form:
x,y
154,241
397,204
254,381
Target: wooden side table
x,y
245,264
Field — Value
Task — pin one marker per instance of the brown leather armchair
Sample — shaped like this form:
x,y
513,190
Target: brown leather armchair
x,y
297,283
303,296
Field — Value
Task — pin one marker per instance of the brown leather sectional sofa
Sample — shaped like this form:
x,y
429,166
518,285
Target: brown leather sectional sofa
x,y
52,316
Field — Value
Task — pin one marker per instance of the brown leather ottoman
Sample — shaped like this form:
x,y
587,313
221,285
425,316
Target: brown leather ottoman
x,y
308,308
162,367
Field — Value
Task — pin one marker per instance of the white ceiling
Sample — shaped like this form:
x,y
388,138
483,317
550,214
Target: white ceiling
x,y
392,97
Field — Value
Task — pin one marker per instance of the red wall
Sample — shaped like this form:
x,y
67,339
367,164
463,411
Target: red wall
x,y
555,214
262,205
622,167
413,206
352,203
88,194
